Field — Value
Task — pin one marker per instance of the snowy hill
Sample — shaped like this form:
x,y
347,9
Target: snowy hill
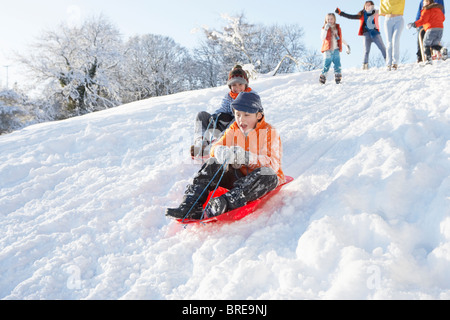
x,y
368,216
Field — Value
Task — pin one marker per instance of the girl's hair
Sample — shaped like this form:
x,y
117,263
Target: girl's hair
x,y
329,14
362,11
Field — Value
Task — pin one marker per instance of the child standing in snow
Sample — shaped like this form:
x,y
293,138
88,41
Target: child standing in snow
x,y
432,19
249,152
332,41
369,29
421,31
394,23
209,127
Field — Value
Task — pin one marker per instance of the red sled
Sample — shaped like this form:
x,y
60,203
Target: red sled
x,y
239,213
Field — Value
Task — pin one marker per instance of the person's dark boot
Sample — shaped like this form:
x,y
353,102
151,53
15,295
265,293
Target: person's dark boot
x,y
196,193
444,53
192,205
186,211
322,79
216,207
429,59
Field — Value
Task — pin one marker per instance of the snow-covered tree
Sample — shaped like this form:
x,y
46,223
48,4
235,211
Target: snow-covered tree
x,y
264,47
153,66
87,67
78,65
312,60
209,63
14,111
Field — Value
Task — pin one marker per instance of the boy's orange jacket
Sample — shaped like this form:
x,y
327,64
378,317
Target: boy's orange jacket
x,y
431,17
263,141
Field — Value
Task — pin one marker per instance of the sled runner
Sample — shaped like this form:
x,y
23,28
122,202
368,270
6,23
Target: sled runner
x,y
239,213
422,49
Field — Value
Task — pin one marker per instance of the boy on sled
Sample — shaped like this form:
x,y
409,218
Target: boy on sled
x,y
246,160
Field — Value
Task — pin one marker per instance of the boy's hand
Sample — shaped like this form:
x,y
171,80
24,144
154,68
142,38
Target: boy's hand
x,y
235,156
338,11
239,156
223,154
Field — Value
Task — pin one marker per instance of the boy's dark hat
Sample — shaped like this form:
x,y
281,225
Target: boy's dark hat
x,y
248,102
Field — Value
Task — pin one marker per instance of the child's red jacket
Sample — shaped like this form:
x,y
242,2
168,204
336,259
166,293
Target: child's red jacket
x,y
431,16
326,45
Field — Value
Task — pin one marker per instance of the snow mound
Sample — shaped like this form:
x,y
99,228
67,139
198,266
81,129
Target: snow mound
x,y
367,217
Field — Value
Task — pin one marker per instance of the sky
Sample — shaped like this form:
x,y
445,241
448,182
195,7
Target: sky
x,y
23,21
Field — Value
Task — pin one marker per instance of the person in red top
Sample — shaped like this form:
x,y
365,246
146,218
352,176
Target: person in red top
x,y
420,31
432,19
332,41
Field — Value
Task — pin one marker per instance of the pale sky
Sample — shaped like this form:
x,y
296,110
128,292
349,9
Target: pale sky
x,y
22,21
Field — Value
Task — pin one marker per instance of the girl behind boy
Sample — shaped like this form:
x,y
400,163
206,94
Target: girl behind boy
x,y
209,127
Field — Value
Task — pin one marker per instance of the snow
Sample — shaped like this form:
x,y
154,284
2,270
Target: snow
x,y
367,217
